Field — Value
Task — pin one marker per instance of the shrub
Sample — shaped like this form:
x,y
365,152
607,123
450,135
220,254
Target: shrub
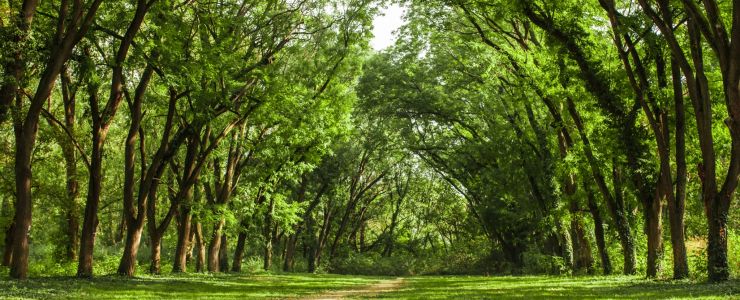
x,y
374,264
537,263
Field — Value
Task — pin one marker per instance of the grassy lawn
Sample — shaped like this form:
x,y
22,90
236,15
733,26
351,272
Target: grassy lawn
x,y
423,287
544,287
182,287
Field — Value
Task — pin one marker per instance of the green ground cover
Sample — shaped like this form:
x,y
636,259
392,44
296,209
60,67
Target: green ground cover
x,y
303,285
546,287
181,287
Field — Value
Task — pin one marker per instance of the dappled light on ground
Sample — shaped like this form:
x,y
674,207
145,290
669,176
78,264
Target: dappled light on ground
x,y
304,286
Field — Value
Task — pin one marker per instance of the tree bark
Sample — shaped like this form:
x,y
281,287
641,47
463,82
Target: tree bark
x,y
8,248
26,131
127,265
214,247
101,123
64,138
716,202
583,261
183,241
223,254
615,203
290,245
200,249
267,235
677,205
606,264
236,266
156,249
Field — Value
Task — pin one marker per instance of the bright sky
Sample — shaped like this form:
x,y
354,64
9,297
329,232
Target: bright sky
x,y
390,19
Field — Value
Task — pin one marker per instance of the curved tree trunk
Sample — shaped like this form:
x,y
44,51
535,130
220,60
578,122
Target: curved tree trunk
x,y
127,266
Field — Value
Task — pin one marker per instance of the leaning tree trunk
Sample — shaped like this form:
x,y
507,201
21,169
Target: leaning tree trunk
x,y
606,264
127,266
614,202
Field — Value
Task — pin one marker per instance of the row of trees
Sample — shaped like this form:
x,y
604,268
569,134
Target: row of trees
x,y
188,132
531,106
493,133
216,92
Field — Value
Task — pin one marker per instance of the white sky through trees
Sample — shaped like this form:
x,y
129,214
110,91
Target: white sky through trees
x,y
389,19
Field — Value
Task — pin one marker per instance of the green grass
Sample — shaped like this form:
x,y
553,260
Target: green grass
x,y
243,286
181,287
546,287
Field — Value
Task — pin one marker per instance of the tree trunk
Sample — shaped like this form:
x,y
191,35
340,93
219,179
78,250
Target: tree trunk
x,y
183,241
191,245
654,232
363,237
25,139
583,261
677,205
8,251
215,247
290,244
310,242
565,243
71,230
223,254
267,257
719,268
127,265
323,235
606,264
90,221
621,222
267,233
155,259
200,248
236,266
614,202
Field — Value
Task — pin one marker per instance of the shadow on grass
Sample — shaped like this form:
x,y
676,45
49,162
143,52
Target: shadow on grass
x,y
180,287
243,286
534,287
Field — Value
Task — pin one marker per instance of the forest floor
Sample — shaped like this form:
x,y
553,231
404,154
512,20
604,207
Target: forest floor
x,y
304,286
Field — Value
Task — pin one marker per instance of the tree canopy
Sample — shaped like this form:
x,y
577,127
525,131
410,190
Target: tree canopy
x,y
493,137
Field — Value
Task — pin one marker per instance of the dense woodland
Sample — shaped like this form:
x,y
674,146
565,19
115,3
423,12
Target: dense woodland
x,y
494,137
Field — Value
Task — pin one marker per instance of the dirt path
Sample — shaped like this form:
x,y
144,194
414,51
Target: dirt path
x,y
366,291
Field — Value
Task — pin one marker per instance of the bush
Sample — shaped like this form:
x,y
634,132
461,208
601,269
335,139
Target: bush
x,y
537,263
374,264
